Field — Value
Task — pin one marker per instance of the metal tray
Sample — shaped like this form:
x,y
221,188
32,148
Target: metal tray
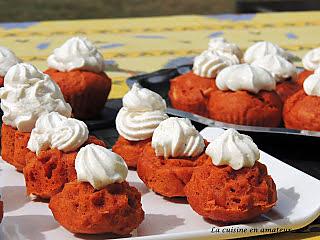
x,y
159,81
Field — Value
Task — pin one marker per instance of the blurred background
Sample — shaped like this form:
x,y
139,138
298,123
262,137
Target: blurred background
x,y
35,10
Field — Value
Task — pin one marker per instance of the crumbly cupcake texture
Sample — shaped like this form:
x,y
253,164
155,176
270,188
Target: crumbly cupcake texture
x,y
27,94
167,165
100,200
231,186
54,143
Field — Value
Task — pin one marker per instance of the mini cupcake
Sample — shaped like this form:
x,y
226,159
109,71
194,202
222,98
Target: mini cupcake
x,y
231,186
167,163
189,92
78,68
27,94
310,61
142,112
302,109
283,71
7,60
100,200
246,96
54,143
263,48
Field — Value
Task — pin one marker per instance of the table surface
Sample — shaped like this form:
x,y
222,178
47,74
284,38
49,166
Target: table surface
x,y
136,45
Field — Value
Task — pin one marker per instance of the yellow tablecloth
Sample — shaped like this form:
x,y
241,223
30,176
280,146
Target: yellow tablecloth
x,y
135,45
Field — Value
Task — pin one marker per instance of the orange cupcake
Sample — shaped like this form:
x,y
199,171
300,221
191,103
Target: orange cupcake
x,y
231,186
47,170
167,163
78,68
26,95
7,60
283,71
142,112
246,96
100,200
189,92
310,61
301,110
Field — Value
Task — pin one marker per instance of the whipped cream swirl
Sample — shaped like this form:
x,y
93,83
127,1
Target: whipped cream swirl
x,y
280,68
263,48
209,63
77,53
311,85
142,112
177,137
99,166
245,77
7,60
27,94
233,149
221,44
311,61
53,130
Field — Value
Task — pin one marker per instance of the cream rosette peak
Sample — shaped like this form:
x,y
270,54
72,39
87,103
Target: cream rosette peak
x,y
53,130
177,137
27,94
233,149
99,166
142,112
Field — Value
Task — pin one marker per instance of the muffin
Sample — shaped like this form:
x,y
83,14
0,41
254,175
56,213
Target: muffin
x,y
78,68
283,71
167,163
141,113
302,109
189,92
310,61
246,96
54,143
263,48
231,186
7,60
27,94
99,200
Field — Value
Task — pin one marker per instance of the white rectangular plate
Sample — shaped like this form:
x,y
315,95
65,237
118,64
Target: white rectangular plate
x,y
298,205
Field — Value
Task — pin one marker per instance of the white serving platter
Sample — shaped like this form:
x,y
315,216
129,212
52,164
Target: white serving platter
x,y
298,205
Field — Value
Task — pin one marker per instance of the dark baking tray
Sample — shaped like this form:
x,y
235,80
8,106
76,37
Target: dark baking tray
x,y
159,81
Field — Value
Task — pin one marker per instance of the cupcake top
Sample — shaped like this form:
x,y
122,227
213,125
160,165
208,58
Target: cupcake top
x,y
279,67
311,85
245,77
27,94
7,60
263,48
53,130
311,61
209,63
77,53
177,137
233,149
142,112
221,44
99,166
